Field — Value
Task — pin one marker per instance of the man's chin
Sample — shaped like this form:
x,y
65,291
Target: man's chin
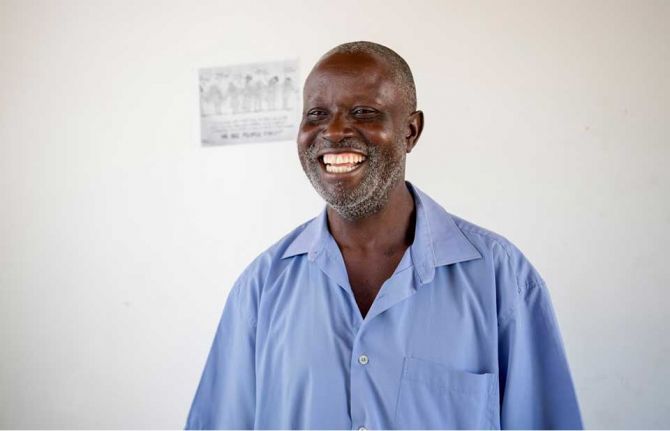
x,y
351,204
340,191
358,211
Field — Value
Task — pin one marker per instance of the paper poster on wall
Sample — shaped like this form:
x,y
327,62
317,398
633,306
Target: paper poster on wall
x,y
247,103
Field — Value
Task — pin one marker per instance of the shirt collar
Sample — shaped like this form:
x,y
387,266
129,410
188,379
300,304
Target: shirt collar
x,y
438,241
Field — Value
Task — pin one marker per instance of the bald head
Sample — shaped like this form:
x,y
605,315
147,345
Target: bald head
x,y
398,69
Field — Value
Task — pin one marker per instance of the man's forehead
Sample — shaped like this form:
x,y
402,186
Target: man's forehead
x,y
362,69
347,61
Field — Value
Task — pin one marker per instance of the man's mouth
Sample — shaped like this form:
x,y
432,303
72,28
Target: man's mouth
x,y
341,163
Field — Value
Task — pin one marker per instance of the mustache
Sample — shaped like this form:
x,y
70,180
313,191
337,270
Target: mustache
x,y
353,143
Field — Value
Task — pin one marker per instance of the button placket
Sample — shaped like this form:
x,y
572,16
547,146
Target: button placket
x,y
359,388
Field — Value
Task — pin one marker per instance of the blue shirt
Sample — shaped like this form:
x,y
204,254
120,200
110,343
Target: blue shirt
x,y
462,335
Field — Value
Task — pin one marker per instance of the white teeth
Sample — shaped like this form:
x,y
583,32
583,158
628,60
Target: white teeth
x,y
343,162
338,159
340,169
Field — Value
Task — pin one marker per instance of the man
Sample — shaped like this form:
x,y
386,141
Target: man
x,y
385,311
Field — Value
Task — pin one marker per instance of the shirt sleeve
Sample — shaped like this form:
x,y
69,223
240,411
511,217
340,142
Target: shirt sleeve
x,y
536,388
225,398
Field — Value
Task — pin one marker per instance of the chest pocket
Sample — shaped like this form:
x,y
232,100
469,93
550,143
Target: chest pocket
x,y
432,395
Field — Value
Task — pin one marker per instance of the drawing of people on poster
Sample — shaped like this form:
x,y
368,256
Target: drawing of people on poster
x,y
249,103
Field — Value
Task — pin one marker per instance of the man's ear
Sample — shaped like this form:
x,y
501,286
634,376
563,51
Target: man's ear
x,y
414,129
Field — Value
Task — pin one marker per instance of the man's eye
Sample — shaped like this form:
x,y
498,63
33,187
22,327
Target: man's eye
x,y
315,114
364,112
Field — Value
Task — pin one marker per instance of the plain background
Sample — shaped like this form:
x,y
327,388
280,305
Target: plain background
x,y
546,121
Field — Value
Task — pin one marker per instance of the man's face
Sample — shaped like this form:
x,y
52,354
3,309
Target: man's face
x,y
351,140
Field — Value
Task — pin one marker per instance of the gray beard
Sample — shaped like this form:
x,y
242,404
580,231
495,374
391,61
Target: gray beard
x,y
372,194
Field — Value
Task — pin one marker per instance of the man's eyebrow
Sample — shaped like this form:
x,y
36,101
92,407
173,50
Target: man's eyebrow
x,y
357,98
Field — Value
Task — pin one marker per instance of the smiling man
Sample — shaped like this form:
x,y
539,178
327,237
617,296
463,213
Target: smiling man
x,y
385,311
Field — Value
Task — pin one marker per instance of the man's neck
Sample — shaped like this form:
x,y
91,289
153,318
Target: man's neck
x,y
388,230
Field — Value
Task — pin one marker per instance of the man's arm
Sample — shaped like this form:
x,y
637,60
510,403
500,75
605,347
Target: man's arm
x,y
535,383
226,395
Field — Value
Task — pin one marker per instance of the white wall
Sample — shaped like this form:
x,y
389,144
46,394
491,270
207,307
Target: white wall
x,y
120,236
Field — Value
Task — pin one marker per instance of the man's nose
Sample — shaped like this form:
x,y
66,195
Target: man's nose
x,y
337,128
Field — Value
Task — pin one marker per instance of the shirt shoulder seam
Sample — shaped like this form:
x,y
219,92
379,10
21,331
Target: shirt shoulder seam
x,y
521,286
483,233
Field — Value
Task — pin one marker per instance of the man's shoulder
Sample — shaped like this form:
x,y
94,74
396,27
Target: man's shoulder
x,y
265,269
272,258
502,251
487,241
497,250
452,231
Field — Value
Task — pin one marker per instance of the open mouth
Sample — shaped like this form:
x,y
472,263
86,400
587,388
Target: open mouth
x,y
342,163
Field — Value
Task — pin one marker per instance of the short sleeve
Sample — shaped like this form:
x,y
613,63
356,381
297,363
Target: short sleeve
x,y
536,387
225,398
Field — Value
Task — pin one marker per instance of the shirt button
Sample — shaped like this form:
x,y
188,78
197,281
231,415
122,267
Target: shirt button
x,y
362,429
362,360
